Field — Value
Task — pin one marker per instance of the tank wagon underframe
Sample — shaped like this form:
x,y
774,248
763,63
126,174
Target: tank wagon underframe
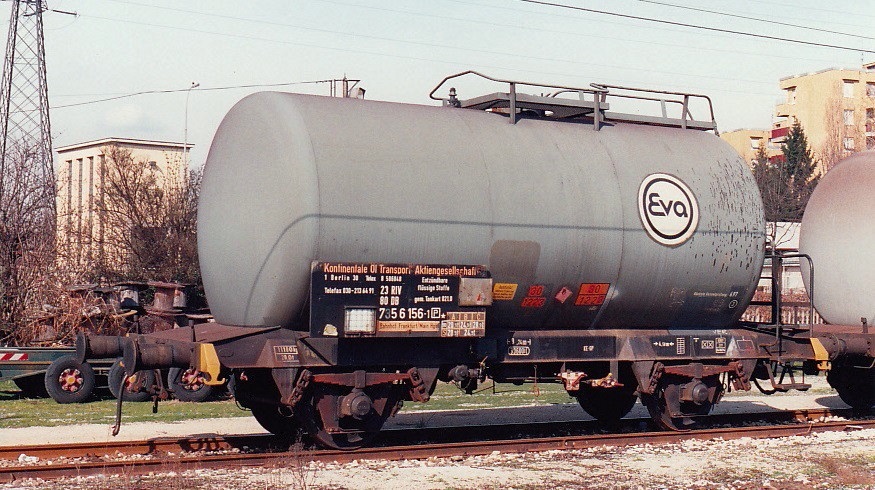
x,y
342,389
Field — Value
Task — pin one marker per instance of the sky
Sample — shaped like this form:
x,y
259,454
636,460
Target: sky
x,y
402,49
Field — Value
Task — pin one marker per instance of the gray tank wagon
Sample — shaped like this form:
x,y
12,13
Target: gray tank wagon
x,y
836,231
293,179
355,252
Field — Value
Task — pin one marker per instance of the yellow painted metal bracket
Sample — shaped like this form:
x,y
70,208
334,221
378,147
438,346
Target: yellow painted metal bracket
x,y
206,360
820,354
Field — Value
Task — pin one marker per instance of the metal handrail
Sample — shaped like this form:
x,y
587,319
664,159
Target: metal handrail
x,y
509,82
810,288
599,92
685,103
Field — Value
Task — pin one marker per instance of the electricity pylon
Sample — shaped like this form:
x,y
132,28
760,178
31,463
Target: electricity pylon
x,y
26,145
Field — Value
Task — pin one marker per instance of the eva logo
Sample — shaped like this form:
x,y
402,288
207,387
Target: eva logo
x,y
668,209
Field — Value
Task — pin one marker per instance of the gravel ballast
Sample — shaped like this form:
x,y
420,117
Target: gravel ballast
x,y
826,460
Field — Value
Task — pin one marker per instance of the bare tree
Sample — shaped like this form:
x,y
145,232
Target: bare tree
x,y
149,220
837,131
27,240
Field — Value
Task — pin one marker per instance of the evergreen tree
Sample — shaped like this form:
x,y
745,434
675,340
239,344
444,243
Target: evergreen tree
x,y
786,185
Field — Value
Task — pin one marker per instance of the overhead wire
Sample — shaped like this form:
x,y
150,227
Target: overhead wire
x,y
696,26
831,10
181,90
410,42
757,19
399,56
524,27
414,42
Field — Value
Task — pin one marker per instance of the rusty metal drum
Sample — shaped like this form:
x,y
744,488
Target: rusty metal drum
x,y
835,231
629,226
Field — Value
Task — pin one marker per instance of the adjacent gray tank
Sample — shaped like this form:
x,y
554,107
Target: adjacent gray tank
x,y
631,226
836,232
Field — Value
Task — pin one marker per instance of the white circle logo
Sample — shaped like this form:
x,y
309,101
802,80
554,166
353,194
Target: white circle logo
x,y
668,209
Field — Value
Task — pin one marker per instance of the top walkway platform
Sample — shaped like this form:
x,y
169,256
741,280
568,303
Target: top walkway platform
x,y
590,104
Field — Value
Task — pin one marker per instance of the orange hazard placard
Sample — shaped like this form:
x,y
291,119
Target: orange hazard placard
x,y
503,291
592,294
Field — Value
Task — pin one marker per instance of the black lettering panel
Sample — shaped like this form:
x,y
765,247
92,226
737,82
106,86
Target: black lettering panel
x,y
398,299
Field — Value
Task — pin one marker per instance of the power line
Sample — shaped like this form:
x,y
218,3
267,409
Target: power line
x,y
467,50
694,26
415,58
200,89
830,10
757,19
411,42
574,33
357,51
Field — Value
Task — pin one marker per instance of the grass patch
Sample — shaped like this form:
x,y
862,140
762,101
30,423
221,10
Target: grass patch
x,y
447,396
16,411
848,471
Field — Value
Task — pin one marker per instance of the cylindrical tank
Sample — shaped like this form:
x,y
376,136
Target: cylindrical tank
x,y
837,232
629,226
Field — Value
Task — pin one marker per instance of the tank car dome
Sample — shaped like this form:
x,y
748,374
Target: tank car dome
x,y
837,232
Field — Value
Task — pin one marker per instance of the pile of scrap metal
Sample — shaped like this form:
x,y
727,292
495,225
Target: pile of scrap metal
x,y
114,309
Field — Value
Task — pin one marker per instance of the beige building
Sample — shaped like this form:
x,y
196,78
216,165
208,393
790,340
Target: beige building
x,y
747,141
83,173
836,108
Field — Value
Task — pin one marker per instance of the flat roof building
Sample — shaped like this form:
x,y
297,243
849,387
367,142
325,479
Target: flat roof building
x,y
835,107
85,172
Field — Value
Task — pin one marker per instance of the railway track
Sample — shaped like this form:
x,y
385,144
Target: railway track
x,y
179,454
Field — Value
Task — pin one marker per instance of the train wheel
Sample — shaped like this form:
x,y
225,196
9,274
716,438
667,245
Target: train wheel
x,y
69,381
276,420
343,418
188,385
659,406
677,400
607,404
114,378
855,386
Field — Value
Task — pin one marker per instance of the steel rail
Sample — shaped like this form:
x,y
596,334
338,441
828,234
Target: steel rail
x,y
398,437
91,464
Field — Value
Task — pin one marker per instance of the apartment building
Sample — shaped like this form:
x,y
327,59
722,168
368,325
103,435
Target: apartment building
x,y
747,141
836,108
82,174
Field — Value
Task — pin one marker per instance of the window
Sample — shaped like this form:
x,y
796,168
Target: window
x,y
870,142
791,95
755,143
90,225
849,117
849,144
848,88
870,89
69,208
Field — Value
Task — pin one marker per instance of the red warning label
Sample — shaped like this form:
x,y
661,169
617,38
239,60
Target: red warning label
x,y
534,297
592,294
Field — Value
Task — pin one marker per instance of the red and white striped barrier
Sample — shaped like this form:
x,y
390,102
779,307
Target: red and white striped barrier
x,y
13,356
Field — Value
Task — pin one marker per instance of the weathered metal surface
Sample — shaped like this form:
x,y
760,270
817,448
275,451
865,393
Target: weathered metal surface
x,y
837,233
16,362
169,296
90,346
554,209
